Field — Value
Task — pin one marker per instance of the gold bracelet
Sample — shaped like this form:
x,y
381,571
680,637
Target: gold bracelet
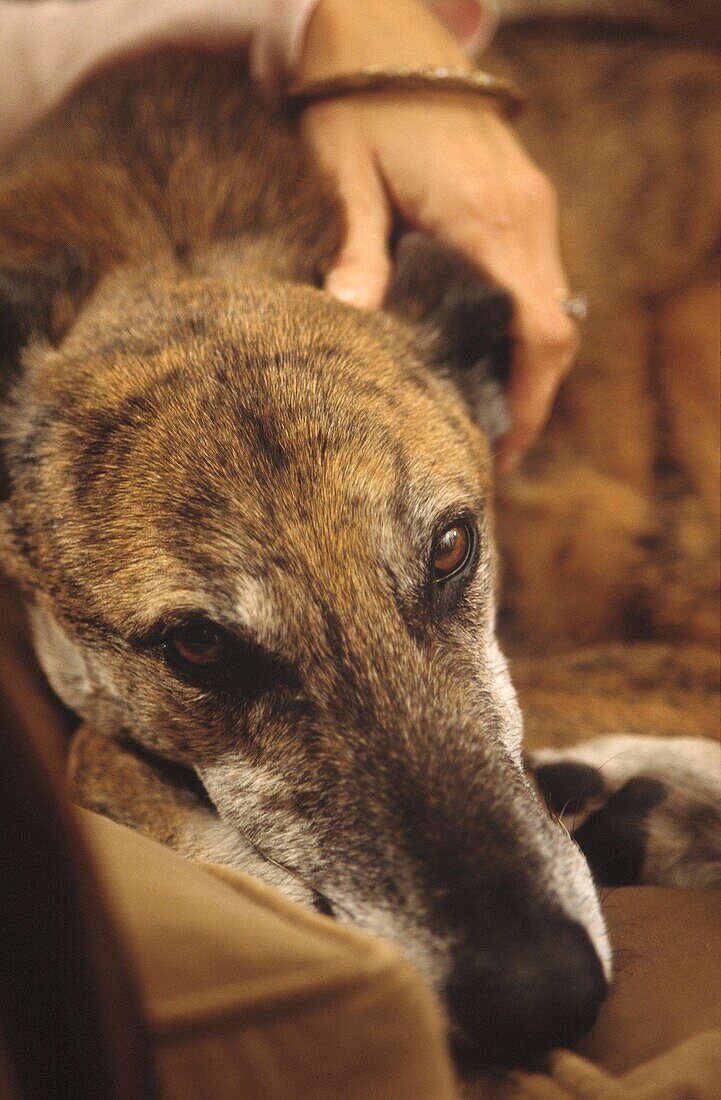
x,y
408,78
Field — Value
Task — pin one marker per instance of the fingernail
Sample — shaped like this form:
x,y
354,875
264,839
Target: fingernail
x,y
348,294
360,293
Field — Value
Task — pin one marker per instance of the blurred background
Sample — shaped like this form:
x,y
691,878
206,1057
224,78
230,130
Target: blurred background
x,y
610,533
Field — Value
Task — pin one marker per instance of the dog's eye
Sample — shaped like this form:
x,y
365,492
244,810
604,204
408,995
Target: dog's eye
x,y
206,655
200,644
452,551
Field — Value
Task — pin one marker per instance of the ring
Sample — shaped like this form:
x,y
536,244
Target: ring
x,y
574,306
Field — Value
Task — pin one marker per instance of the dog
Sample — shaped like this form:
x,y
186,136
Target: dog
x,y
254,531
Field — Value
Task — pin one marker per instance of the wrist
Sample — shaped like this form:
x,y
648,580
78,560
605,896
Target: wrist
x,y
343,36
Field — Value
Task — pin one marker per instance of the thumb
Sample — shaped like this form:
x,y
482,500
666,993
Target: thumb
x,y
361,271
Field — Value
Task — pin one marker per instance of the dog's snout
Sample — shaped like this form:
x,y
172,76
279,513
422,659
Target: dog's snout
x,y
511,1006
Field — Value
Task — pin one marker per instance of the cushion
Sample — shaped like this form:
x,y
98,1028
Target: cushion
x,y
250,995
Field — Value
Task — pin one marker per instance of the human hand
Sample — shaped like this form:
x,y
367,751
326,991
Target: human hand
x,y
446,164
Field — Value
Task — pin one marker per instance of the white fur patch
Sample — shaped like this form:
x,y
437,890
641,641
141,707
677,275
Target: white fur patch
x,y
680,761
61,659
504,696
212,841
241,792
75,673
254,608
683,846
574,888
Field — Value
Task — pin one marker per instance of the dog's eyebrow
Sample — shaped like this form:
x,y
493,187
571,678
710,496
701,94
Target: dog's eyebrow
x,y
457,498
147,621
179,615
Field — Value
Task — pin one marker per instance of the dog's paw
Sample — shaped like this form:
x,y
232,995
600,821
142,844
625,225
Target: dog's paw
x,y
642,809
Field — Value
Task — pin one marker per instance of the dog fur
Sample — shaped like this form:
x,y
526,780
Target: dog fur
x,y
183,384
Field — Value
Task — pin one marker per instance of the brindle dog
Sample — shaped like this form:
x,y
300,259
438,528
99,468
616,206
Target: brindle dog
x,y
254,531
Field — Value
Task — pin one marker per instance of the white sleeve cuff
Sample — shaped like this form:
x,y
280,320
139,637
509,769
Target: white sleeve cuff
x,y
472,23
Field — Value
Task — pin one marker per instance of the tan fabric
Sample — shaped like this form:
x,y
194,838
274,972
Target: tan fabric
x,y
249,995
659,1033
667,949
691,1071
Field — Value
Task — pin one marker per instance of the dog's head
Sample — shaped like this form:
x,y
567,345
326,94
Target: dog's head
x,y
255,526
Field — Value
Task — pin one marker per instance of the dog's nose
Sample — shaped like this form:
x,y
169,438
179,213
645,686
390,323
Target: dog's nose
x,y
512,1005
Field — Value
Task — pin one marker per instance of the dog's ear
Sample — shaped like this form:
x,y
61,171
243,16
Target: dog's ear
x,y
470,342
462,322
39,299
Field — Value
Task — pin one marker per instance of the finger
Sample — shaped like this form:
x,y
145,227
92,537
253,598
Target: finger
x,y
362,269
544,345
544,349
541,231
526,426
528,265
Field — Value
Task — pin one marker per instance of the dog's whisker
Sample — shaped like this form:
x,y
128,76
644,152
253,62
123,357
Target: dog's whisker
x,y
565,806
621,752
310,886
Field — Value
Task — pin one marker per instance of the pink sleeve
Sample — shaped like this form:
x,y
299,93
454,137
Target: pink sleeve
x,y
277,46
47,46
